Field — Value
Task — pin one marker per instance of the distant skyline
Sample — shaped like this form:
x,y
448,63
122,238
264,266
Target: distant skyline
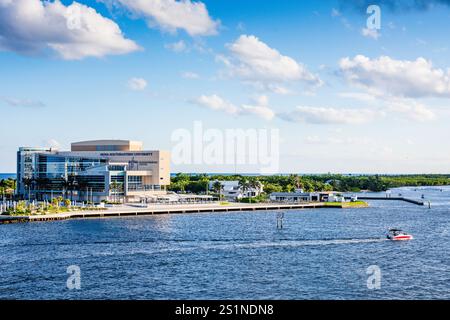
x,y
345,98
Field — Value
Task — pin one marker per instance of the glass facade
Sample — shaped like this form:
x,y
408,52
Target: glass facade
x,y
91,183
135,183
86,175
51,173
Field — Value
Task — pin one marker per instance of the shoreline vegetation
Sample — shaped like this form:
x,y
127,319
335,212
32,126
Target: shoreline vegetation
x,y
169,209
57,205
351,204
198,183
22,208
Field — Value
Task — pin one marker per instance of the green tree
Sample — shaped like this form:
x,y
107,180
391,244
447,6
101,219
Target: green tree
x,y
272,187
114,186
218,187
182,180
255,184
244,185
296,181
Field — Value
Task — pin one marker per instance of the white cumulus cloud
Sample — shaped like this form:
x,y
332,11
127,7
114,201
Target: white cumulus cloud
x,y
253,60
370,33
215,102
171,15
190,75
74,32
260,107
52,143
16,102
390,77
337,140
179,46
362,96
137,84
325,115
410,108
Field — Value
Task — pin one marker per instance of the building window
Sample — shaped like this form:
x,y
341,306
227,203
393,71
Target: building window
x,y
135,183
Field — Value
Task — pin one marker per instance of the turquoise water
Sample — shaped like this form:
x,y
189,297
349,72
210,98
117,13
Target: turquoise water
x,y
320,254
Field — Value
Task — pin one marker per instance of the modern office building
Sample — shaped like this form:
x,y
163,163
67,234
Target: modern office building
x,y
110,170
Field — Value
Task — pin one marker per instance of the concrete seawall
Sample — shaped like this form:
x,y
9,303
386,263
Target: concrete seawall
x,y
164,209
126,211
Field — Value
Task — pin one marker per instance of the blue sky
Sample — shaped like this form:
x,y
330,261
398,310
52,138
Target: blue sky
x,y
345,98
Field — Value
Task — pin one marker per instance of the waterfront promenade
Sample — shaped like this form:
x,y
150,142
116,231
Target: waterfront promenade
x,y
155,209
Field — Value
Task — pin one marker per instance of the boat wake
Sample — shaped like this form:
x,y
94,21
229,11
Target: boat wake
x,y
152,248
221,244
293,243
227,246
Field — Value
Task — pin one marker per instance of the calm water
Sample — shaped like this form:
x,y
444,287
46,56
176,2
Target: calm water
x,y
320,254
7,176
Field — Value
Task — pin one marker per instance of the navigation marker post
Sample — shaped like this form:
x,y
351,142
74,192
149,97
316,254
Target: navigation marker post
x,y
280,217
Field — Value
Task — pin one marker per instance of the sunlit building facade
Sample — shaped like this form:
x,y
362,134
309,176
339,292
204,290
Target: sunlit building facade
x,y
94,171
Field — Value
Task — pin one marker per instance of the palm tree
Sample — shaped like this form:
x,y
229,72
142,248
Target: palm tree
x,y
114,186
255,184
183,180
72,184
296,181
42,184
218,187
2,189
244,184
82,187
27,184
65,185
14,186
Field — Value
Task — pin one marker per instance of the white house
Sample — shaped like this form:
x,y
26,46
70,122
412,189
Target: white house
x,y
232,191
335,198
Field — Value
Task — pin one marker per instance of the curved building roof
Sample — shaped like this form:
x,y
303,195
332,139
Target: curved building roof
x,y
107,145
